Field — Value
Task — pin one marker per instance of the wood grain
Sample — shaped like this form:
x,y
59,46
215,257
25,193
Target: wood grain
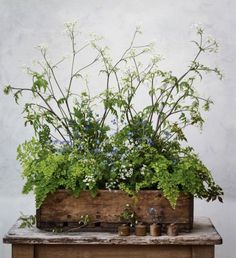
x,y
59,251
203,233
36,243
22,251
63,209
110,251
203,252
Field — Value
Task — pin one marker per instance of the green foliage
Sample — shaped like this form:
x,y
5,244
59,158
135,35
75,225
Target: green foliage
x,y
188,175
47,169
85,220
7,89
107,141
27,221
128,215
44,169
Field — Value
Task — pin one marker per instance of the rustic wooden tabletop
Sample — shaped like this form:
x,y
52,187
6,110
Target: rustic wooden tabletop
x,y
203,233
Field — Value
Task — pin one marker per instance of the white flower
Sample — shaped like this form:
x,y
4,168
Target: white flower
x,y
110,185
196,25
139,28
43,47
89,179
143,169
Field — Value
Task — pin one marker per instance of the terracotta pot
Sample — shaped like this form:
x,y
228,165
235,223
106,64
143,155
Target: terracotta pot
x,y
140,230
155,230
172,230
124,230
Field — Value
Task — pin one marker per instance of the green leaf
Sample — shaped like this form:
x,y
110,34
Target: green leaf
x,y
16,95
61,101
7,89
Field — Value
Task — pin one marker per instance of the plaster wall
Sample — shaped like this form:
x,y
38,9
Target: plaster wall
x,y
25,24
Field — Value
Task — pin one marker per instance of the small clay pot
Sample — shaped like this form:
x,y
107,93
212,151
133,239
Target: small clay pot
x,y
172,230
155,230
140,230
124,230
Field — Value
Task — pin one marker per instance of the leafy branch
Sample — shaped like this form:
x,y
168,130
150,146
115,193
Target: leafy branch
x,y
75,146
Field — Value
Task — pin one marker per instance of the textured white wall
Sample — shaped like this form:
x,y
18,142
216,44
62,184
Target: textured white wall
x,y
24,24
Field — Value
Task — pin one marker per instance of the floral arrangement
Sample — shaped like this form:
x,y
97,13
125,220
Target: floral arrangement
x,y
109,140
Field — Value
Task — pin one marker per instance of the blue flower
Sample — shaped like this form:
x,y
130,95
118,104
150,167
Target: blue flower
x,y
149,141
61,142
167,134
97,150
80,147
129,135
174,161
109,154
55,141
114,149
87,127
114,121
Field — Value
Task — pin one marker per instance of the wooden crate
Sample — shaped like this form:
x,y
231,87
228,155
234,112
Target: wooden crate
x,y
63,210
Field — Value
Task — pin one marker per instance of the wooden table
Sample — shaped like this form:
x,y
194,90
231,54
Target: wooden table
x,y
35,243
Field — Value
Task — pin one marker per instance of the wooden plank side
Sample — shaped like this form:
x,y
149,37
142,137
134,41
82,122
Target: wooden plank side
x,y
108,205
69,251
22,251
203,251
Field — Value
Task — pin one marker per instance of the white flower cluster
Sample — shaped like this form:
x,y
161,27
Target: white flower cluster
x,y
143,169
89,179
111,185
123,156
129,144
126,172
132,145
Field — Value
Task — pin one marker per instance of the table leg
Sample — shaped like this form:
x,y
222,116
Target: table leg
x,y
206,251
22,251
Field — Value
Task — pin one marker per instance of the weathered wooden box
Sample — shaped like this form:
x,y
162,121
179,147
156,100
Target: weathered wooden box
x,y
63,210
